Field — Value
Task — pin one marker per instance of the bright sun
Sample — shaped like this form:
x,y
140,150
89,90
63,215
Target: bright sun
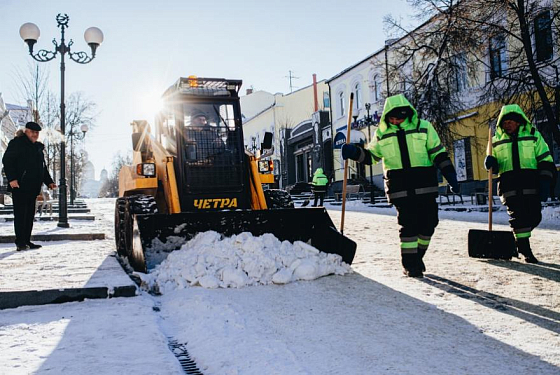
x,y
149,105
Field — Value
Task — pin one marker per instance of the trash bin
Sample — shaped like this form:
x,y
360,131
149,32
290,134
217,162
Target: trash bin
x,y
481,199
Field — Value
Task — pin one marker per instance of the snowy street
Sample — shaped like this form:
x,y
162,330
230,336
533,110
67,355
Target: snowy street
x,y
465,316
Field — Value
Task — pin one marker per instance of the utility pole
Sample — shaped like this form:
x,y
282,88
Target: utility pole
x,y
290,77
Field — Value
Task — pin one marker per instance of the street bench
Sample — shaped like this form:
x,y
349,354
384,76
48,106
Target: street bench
x,y
352,191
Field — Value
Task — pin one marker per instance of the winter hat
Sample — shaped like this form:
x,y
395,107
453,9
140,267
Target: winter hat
x,y
400,112
33,126
514,117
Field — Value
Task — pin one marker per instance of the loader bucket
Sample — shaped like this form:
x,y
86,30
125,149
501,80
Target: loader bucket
x,y
155,235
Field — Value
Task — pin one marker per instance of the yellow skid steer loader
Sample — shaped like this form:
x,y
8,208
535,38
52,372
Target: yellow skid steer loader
x,y
194,175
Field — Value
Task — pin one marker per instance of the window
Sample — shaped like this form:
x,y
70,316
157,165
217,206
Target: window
x,y
326,100
498,62
543,36
460,78
376,88
463,159
357,96
342,110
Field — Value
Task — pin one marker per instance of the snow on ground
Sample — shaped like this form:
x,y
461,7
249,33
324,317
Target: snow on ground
x,y
101,337
211,261
466,316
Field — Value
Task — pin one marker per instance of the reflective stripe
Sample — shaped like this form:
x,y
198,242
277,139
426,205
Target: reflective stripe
x,y
409,239
399,194
444,164
423,242
422,130
512,193
422,247
435,149
387,135
427,238
409,251
508,194
546,173
529,191
522,234
543,156
426,190
501,142
529,138
521,230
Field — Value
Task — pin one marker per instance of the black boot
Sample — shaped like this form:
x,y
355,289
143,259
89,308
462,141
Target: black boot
x,y
412,265
421,253
32,245
524,247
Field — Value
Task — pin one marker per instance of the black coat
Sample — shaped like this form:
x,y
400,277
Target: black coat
x,y
24,161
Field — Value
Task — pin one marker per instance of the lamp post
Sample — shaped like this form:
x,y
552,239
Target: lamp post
x,y
73,134
370,121
30,33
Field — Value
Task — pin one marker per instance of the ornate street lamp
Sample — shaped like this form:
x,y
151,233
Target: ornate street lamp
x,y
30,33
370,121
74,134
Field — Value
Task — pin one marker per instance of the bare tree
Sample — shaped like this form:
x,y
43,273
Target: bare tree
x,y
111,187
431,64
509,41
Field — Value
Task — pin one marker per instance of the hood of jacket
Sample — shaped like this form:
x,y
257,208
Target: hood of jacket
x,y
318,171
511,108
393,102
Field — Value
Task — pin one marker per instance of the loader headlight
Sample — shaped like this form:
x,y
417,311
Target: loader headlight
x,y
266,166
146,169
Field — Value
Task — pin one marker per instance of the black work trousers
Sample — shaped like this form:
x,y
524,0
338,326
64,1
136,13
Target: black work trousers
x,y
319,196
417,216
24,214
524,212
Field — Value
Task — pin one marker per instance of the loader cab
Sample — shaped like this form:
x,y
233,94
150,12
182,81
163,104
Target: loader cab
x,y
201,127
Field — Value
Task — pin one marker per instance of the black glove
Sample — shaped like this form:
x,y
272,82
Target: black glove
x,y
451,177
544,189
491,162
349,151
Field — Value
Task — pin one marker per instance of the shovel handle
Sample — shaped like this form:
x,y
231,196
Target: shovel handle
x,y
345,178
490,192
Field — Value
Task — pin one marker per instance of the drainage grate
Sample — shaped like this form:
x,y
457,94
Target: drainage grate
x,y
180,351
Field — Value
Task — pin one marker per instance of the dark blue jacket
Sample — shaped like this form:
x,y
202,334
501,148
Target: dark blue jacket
x,y
24,161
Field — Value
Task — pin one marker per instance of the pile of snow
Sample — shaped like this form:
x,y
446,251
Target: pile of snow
x,y
211,261
551,212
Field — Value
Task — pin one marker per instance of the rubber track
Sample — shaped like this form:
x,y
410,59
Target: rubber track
x,y
180,351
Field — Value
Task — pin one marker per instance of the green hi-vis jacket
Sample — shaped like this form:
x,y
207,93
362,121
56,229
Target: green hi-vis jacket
x,y
320,181
409,152
522,157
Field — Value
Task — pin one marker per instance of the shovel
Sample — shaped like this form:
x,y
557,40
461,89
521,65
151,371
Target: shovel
x,y
491,244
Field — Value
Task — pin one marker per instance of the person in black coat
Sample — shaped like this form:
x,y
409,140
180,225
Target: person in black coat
x,y
26,171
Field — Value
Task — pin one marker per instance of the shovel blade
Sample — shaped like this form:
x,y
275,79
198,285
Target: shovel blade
x,y
491,244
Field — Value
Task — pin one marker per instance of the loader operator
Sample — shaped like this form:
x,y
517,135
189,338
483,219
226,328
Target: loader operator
x,y
523,160
409,148
203,140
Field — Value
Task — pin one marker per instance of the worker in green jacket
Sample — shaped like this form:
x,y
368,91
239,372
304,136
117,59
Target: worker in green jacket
x,y
410,150
319,186
523,160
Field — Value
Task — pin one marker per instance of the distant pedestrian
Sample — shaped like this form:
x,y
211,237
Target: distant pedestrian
x,y
523,160
26,171
410,149
319,186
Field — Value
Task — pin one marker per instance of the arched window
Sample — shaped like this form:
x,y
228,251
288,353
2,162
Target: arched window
x,y
341,104
357,95
376,88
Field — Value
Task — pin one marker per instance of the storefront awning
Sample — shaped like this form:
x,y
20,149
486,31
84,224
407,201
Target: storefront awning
x,y
356,136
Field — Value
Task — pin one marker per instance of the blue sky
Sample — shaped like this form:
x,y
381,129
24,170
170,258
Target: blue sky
x,y
150,44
